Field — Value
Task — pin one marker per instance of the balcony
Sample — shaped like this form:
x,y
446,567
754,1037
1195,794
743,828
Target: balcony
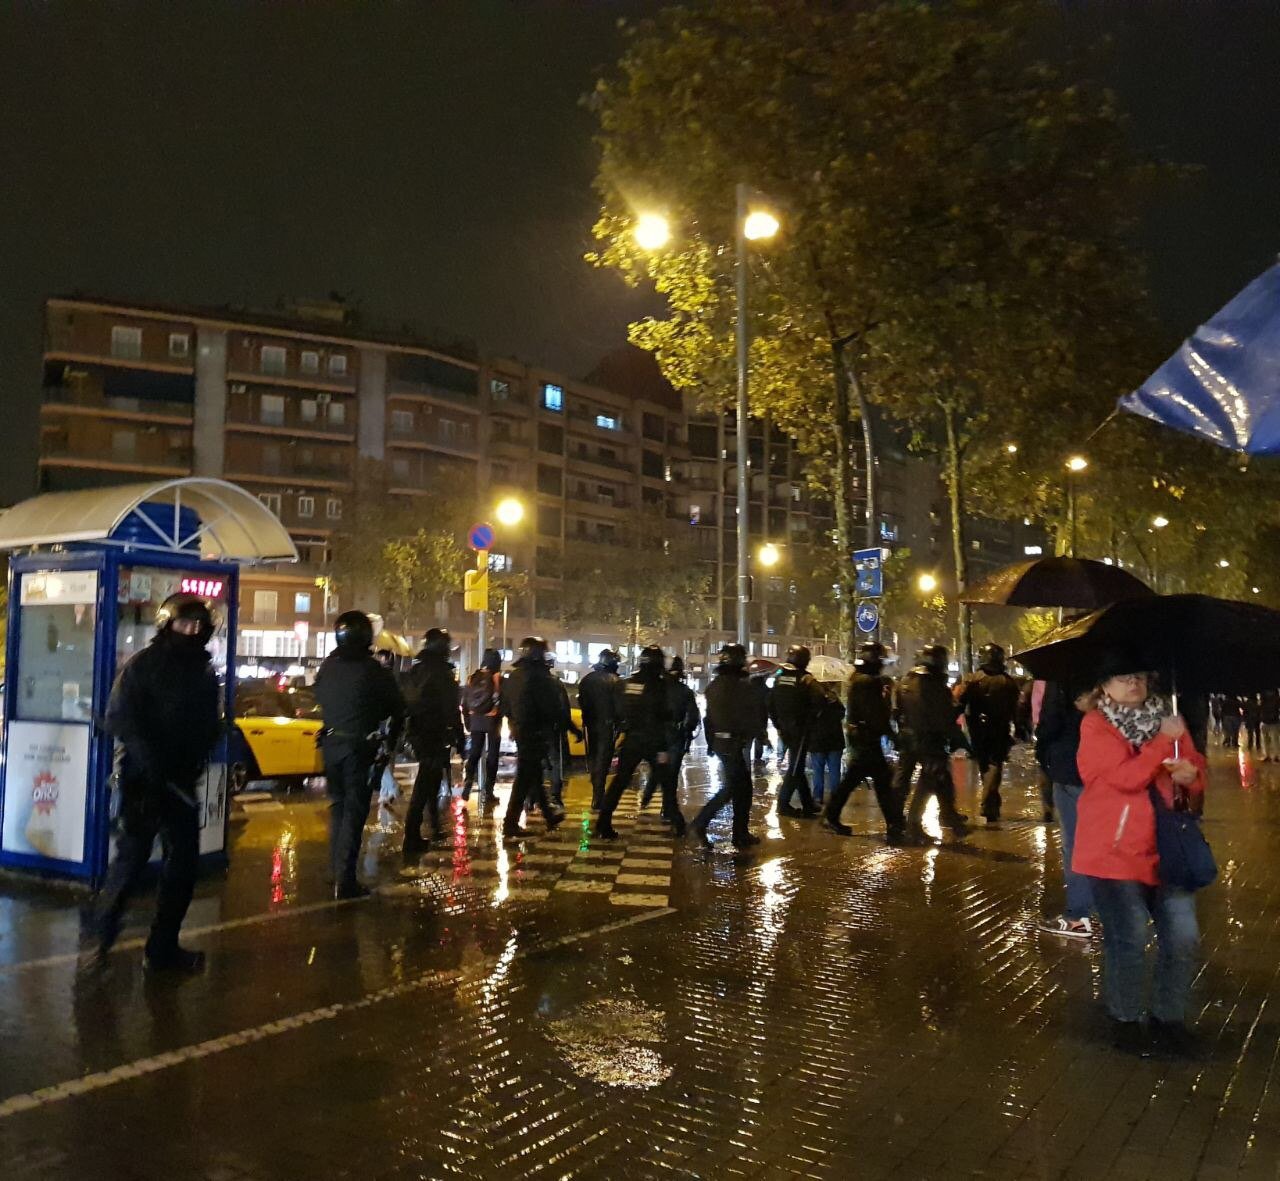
x,y
96,404
172,461
291,423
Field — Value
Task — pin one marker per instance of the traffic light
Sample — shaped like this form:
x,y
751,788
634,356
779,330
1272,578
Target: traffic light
x,y
476,590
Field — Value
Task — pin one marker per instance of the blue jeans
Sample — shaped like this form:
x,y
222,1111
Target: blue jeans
x,y
1125,909
1066,798
825,769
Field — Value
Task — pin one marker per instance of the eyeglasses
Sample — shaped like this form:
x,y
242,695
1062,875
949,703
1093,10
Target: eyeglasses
x,y
1131,678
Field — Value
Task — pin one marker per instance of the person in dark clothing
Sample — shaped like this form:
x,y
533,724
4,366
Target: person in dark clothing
x,y
164,715
1057,740
926,717
684,720
558,752
1194,707
538,713
597,698
794,701
731,723
1251,715
989,698
868,715
759,687
826,745
1232,715
1215,712
1030,702
644,715
481,703
1269,709
356,695
435,728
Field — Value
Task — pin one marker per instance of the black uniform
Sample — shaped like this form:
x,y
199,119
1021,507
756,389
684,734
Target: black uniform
x,y
685,718
356,695
760,700
926,716
989,699
731,724
435,728
597,697
795,700
481,704
538,713
868,712
644,717
164,713
558,751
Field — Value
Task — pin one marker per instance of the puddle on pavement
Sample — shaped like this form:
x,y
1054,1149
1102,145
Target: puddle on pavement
x,y
609,1041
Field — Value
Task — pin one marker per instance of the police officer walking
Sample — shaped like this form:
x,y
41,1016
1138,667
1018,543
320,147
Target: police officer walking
x,y
597,697
356,694
558,752
164,714
435,727
868,712
684,720
644,715
926,716
481,705
989,698
732,723
794,701
532,701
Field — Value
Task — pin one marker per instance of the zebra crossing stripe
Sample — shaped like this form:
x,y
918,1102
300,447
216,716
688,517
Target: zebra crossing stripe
x,y
630,862
643,879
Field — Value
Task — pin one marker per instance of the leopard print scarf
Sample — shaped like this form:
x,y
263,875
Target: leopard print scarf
x,y
1138,723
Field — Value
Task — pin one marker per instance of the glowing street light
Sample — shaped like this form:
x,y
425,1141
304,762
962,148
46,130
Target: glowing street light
x,y
769,555
1077,463
1011,448
926,584
759,225
509,511
652,231
1223,563
1159,522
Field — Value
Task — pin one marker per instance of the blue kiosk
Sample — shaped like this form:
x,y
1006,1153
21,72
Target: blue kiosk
x,y
89,569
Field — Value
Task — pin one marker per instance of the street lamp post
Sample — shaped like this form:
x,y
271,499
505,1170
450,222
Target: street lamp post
x,y
1075,465
509,512
1157,523
768,558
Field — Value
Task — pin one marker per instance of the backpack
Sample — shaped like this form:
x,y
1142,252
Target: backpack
x,y
479,698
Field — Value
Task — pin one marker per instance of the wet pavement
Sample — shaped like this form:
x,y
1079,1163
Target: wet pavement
x,y
817,1007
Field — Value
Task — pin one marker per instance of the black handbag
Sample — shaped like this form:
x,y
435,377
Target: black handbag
x,y
1186,861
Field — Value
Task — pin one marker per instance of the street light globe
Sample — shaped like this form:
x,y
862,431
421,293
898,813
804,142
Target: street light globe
x,y
1077,463
652,231
1160,522
1223,563
927,584
509,512
1011,448
760,223
769,555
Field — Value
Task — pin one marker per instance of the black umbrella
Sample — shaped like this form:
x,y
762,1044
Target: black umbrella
x,y
1195,642
1081,583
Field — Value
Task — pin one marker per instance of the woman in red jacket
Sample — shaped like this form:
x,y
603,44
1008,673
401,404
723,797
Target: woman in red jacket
x,y
1128,744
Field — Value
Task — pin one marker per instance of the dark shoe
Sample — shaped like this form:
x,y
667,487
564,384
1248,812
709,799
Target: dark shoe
x,y
841,830
645,799
349,891
810,812
414,849
746,840
1174,1038
514,834
554,820
959,830
895,835
915,835
605,831
1130,1038
678,825
178,961
698,834
1048,816
789,810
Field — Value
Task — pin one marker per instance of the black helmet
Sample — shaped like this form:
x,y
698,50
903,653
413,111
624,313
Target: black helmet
x,y
187,606
353,632
934,657
534,648
491,660
609,660
991,656
437,642
870,653
652,657
798,656
733,658
677,667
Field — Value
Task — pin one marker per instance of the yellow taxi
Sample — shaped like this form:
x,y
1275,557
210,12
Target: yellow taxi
x,y
275,733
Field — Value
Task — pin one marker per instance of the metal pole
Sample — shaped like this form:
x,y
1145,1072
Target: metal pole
x,y
504,621
1071,513
744,572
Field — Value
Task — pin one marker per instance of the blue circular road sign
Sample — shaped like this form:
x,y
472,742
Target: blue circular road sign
x,y
867,617
481,536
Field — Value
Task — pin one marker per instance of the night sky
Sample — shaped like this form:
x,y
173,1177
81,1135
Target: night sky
x,y
431,162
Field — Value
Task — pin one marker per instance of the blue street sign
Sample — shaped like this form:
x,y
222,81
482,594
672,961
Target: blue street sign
x,y
867,617
870,575
480,537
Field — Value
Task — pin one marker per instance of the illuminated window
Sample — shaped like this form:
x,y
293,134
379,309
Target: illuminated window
x,y
338,365
265,606
126,342
499,390
309,362
271,409
306,506
302,603
608,422
307,409
179,345
553,397
273,360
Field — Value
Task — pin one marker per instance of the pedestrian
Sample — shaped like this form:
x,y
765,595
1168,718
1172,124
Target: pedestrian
x,y
435,728
481,703
1232,716
1057,740
356,695
926,716
1269,711
794,700
1215,710
1251,717
826,745
1029,706
558,752
533,703
163,713
731,723
685,720
645,717
759,686
597,698
1130,744
868,715
989,698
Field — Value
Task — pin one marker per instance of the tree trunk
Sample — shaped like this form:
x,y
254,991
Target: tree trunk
x,y
954,469
844,505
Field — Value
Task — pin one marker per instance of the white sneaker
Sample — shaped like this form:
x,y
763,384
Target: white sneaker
x,y
1069,928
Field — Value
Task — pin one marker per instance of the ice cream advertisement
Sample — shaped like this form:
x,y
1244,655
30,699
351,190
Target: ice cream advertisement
x,y
44,793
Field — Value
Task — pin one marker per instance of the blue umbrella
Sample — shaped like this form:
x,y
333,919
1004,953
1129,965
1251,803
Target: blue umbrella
x,y
1224,383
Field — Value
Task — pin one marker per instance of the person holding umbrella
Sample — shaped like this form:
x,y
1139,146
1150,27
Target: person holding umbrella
x,y
1129,744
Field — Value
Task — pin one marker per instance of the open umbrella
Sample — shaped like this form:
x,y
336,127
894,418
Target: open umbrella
x,y
1194,641
830,668
1224,383
1081,583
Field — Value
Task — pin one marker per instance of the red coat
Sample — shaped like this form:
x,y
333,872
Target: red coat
x,y
1116,824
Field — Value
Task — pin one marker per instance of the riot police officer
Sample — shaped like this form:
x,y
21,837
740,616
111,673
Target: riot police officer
x,y
731,724
794,701
868,711
435,727
685,718
644,715
989,698
597,697
538,714
926,717
558,753
356,694
164,714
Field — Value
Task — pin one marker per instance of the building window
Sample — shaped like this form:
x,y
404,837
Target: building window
x,y
265,606
548,520
271,459
402,422
499,563
550,438
464,433
651,425
550,480
273,360
447,430
608,422
124,444
271,409
179,345
309,362
271,500
126,342
333,508
338,365
337,413
306,506
499,390
695,514
400,469
307,409
302,603
651,464
553,397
